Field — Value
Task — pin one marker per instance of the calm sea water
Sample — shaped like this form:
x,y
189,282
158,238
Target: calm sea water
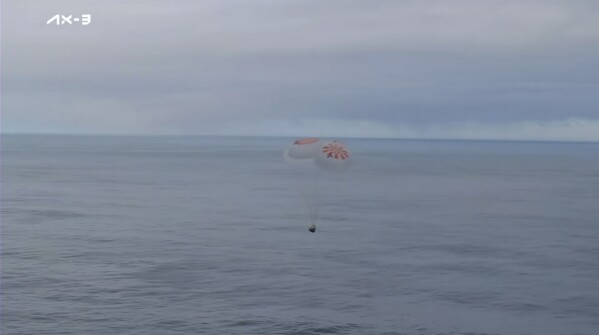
x,y
208,235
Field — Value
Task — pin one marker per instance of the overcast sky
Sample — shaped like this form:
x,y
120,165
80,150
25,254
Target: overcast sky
x,y
410,69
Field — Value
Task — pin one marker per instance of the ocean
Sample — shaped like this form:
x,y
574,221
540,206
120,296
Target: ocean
x,y
209,235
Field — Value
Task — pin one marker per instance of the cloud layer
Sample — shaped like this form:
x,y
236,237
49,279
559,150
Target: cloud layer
x,y
425,69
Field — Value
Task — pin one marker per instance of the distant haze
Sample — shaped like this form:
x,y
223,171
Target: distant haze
x,y
409,69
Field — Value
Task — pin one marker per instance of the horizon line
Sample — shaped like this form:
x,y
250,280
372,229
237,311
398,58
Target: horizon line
x,y
292,136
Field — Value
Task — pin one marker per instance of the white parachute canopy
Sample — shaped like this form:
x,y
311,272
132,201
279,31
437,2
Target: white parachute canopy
x,y
302,150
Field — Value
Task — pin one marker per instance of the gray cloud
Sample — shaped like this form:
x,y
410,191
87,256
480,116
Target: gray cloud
x,y
362,68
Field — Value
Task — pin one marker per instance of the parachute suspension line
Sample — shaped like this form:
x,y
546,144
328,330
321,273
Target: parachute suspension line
x,y
315,199
311,196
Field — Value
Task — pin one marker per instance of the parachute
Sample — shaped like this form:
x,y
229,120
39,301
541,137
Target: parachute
x,y
328,155
312,157
302,150
333,156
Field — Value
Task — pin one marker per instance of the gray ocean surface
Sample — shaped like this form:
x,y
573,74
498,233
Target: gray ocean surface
x,y
209,235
